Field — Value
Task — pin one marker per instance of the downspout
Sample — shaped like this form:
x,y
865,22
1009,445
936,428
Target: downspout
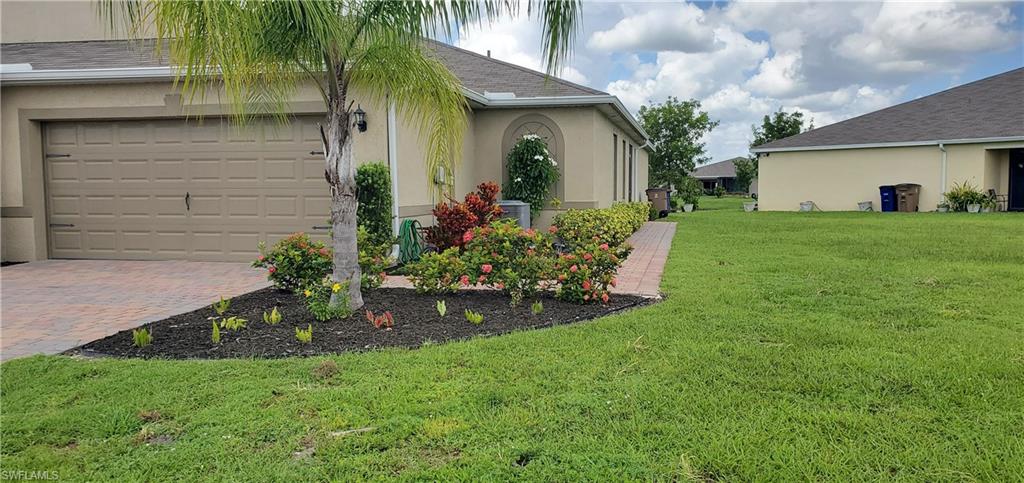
x,y
393,167
945,168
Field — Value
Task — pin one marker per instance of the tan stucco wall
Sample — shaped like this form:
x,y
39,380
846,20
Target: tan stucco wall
x,y
836,180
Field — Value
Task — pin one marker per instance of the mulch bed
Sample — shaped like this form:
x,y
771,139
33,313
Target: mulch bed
x,y
187,336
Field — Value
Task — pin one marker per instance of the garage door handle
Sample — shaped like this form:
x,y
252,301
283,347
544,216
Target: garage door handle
x,y
62,225
188,202
321,227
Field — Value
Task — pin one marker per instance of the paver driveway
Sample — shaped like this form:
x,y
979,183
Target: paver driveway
x,y
54,305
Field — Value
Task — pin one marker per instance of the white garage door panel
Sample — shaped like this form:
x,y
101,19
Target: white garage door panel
x,y
118,189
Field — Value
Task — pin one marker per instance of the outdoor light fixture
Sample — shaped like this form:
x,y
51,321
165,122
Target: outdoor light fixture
x,y
360,118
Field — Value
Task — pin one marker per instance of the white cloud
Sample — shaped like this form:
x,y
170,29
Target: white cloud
x,y
742,60
678,28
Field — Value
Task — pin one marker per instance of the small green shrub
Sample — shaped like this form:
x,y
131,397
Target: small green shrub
x,y
474,317
215,336
963,194
318,299
437,273
719,191
442,308
374,258
295,262
273,318
537,307
233,323
373,190
221,307
608,225
142,337
531,173
690,191
304,336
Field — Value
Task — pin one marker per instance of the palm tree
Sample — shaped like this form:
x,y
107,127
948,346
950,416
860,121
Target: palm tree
x,y
258,52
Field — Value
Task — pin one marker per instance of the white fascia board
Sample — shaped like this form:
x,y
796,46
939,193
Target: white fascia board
x,y
890,145
564,101
72,76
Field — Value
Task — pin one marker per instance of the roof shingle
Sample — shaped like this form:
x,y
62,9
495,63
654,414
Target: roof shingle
x,y
721,169
988,108
476,72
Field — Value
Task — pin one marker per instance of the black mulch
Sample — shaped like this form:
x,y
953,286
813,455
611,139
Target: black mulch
x,y
187,336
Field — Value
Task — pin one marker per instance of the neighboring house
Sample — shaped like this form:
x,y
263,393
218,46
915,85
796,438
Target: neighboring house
x,y
972,133
722,173
100,161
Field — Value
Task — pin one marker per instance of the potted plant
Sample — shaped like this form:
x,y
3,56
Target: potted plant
x,y
749,206
943,207
690,192
988,205
974,207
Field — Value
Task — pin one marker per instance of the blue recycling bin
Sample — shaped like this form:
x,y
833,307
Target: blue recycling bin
x,y
888,194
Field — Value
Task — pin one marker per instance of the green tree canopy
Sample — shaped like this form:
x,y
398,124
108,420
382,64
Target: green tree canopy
x,y
676,129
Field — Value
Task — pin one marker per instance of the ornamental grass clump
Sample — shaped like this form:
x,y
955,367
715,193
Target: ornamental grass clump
x,y
532,172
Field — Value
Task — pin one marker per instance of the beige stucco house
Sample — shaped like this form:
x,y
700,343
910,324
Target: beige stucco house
x,y
103,159
973,133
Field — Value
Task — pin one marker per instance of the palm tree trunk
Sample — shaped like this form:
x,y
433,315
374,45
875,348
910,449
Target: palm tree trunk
x,y
341,176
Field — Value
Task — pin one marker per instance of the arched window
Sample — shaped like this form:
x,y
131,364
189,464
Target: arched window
x,y
544,127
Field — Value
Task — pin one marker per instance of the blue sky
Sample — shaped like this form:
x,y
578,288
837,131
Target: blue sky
x,y
831,60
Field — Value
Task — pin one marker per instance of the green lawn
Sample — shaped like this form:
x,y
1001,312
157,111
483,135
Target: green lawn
x,y
820,346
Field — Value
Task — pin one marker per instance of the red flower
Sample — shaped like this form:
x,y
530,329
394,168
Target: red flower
x,y
586,285
613,282
500,285
553,229
587,257
530,232
467,237
604,246
561,277
529,252
464,280
481,279
573,268
604,297
486,268
261,258
272,269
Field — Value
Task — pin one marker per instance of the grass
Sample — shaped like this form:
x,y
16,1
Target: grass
x,y
815,346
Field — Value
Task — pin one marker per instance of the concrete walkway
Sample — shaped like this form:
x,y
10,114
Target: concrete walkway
x,y
640,274
54,305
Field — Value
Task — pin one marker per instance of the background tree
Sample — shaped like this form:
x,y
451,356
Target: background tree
x,y
775,126
255,54
676,129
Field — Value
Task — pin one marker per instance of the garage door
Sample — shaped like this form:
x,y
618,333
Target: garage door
x,y
177,189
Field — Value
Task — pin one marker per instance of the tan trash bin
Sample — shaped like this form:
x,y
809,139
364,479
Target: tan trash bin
x,y
907,195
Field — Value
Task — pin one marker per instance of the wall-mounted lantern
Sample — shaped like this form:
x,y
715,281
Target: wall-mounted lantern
x,y
360,115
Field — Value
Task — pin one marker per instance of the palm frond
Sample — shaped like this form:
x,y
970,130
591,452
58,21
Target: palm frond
x,y
424,92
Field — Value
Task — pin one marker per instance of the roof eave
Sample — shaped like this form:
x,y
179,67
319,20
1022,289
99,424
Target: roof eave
x,y
900,144
150,74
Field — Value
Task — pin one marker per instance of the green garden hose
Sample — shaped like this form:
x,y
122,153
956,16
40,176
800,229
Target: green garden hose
x,y
409,243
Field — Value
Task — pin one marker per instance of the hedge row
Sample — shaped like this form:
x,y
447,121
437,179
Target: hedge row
x,y
609,225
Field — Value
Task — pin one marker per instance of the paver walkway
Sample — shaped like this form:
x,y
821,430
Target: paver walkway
x,y
54,305
640,274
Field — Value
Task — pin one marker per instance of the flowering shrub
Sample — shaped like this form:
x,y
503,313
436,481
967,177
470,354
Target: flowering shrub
x,y
318,299
374,258
455,219
294,262
507,257
531,172
437,272
588,272
608,225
